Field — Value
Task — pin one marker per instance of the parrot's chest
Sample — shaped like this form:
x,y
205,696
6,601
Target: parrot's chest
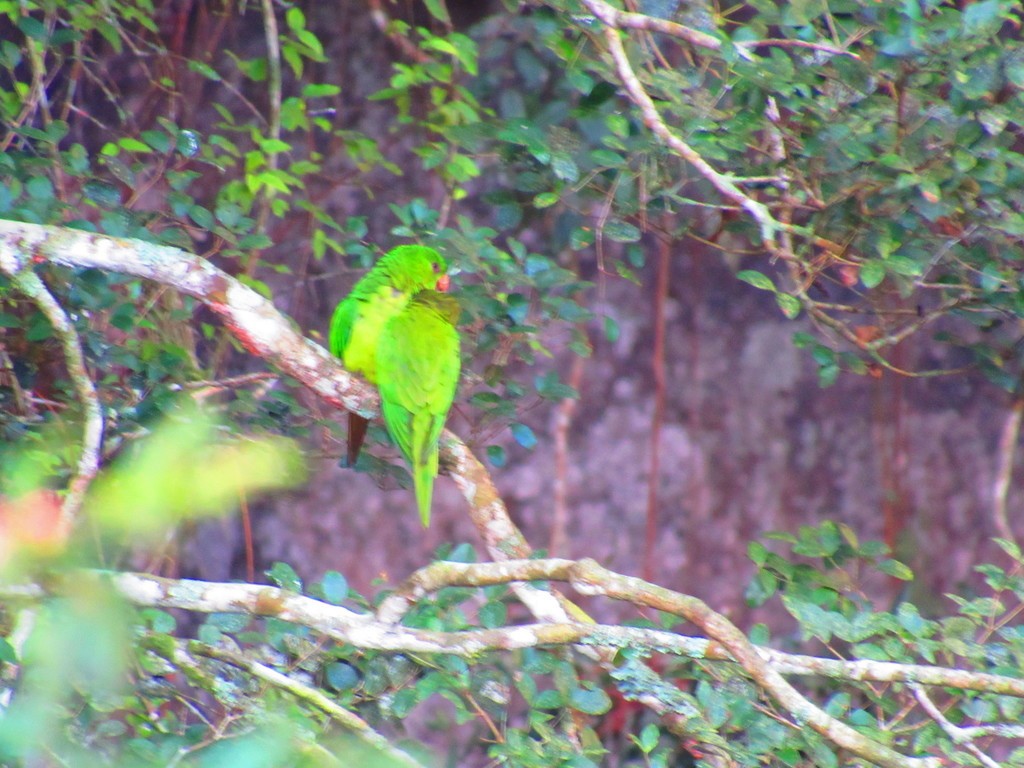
x,y
361,352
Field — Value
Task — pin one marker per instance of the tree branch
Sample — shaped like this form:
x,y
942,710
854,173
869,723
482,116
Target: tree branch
x,y
29,283
959,736
299,690
1004,468
380,631
588,577
613,17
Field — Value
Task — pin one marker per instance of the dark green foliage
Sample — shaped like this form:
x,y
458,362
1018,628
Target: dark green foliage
x,y
534,707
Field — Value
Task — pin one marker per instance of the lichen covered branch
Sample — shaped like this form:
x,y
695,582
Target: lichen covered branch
x,y
30,284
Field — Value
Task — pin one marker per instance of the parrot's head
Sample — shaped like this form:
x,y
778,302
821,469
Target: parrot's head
x,y
415,268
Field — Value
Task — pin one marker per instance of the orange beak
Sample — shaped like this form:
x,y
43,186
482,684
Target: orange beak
x,y
443,283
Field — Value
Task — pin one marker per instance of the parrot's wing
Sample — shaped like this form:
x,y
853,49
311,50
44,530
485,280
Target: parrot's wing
x,y
341,326
339,336
418,371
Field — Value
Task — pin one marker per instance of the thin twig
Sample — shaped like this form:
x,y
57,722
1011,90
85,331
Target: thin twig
x,y
250,557
182,654
23,402
613,17
768,225
383,22
628,20
350,720
1004,470
273,41
959,736
274,94
207,387
560,491
777,42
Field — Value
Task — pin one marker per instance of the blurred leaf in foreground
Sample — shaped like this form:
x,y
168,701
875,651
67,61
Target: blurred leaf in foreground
x,y
189,467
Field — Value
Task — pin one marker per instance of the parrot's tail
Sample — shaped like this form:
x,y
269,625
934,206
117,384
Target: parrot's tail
x,y
424,482
423,478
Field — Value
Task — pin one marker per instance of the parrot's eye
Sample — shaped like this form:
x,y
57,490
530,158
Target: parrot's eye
x,y
436,267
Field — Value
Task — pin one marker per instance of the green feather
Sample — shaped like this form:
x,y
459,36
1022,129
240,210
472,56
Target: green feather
x,y
418,365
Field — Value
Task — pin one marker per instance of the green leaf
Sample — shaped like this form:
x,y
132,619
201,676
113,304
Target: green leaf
x,y
649,737
565,167
756,279
133,145
496,455
757,552
896,569
320,90
1011,548
592,701
518,307
203,69
902,265
39,188
983,18
523,435
790,305
209,634
493,614
285,577
229,622
7,652
105,195
546,199
295,19
548,699
827,375
201,216
611,329
158,140
549,387
617,124
463,552
335,587
621,231
872,273
32,27
188,143
255,241
438,10
274,146
341,676
159,621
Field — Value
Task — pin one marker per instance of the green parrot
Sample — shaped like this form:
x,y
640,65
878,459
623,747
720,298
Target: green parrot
x,y
377,297
418,365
